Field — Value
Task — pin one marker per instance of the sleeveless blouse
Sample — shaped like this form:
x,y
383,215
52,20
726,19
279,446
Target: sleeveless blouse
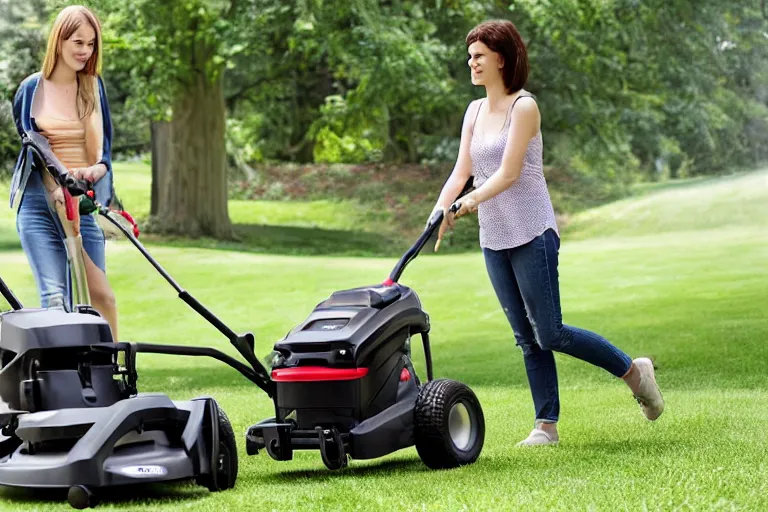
x,y
522,212
67,139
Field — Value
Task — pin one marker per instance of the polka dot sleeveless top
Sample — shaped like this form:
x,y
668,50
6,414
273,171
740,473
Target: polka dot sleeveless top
x,y
523,211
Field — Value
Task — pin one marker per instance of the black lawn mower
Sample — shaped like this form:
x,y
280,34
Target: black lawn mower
x,y
342,383
345,383
71,417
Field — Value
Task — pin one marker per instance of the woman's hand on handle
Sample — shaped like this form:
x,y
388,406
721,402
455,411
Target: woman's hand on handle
x,y
465,205
461,207
93,173
447,223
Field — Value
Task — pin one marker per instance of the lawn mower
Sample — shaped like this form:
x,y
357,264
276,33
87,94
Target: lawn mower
x,y
342,383
71,417
345,383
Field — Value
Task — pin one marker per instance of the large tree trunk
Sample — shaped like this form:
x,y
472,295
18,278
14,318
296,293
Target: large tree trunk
x,y
161,147
194,190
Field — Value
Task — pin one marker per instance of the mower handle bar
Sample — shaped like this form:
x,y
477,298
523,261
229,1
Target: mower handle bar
x,y
243,343
54,166
9,296
433,224
181,350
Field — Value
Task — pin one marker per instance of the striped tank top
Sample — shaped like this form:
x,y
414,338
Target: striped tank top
x,y
522,212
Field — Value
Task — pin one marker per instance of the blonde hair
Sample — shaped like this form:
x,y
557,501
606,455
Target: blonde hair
x,y
67,22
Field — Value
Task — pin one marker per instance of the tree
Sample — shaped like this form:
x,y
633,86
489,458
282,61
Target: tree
x,y
349,81
22,44
178,52
628,89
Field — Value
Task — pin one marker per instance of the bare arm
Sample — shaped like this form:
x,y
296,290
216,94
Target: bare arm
x,y
463,167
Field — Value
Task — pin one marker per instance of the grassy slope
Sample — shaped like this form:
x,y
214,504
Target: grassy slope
x,y
684,287
732,202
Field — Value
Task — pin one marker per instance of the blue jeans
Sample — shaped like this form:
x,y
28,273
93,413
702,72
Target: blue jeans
x,y
525,279
42,238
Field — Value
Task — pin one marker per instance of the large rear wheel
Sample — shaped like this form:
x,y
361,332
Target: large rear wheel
x,y
450,427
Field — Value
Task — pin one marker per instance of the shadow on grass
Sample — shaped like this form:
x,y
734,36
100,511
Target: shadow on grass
x,y
637,446
142,495
9,240
509,461
9,245
296,241
292,240
303,241
352,471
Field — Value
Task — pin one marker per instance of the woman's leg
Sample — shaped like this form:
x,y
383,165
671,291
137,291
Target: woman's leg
x,y
539,364
535,266
94,254
41,238
44,248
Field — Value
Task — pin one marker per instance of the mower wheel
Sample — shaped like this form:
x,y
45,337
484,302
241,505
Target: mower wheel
x,y
450,426
81,497
225,466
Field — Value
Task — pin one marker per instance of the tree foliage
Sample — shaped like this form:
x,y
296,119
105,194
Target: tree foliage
x,y
628,89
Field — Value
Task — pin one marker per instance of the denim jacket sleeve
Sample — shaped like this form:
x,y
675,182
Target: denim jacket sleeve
x,y
22,106
18,101
104,188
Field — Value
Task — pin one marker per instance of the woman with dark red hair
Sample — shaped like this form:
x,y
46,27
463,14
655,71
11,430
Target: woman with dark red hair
x,y
501,147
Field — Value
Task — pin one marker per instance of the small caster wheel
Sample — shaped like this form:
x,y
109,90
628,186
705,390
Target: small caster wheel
x,y
81,497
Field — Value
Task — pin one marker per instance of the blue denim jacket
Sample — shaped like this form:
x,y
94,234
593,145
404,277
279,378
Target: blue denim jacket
x,y
25,163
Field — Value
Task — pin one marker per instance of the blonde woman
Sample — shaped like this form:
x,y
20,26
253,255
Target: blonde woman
x,y
67,103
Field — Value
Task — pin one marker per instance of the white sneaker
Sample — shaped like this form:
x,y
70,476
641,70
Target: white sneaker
x,y
538,437
648,393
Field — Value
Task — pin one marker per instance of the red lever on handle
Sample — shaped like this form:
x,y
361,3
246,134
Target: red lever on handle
x,y
127,216
69,204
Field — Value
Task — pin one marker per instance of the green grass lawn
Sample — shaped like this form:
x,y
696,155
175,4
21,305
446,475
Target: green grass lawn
x,y
728,202
313,227
677,274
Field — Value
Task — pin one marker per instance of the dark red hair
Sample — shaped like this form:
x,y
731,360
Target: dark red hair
x,y
502,37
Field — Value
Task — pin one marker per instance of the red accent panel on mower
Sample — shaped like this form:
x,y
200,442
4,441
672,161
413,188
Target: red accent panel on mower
x,y
317,373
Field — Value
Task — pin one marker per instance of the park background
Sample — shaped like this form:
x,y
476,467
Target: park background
x,y
306,142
